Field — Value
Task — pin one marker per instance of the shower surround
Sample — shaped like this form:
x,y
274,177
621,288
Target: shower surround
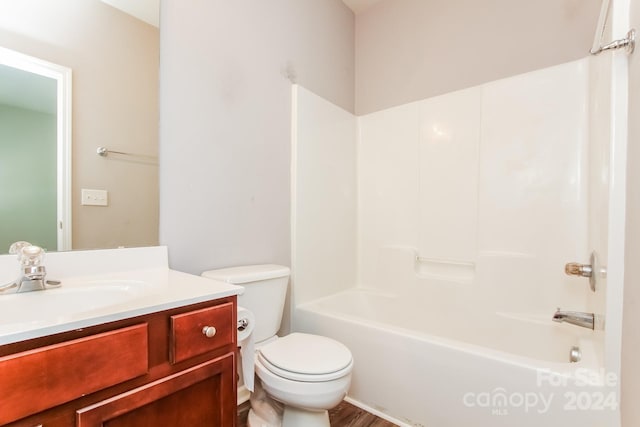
x,y
431,239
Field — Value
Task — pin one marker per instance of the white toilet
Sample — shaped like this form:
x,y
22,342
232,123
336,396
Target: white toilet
x,y
308,374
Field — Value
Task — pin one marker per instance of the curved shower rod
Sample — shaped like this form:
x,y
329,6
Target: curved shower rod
x,y
628,43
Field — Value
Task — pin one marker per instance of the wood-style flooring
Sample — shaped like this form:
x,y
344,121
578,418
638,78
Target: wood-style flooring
x,y
343,415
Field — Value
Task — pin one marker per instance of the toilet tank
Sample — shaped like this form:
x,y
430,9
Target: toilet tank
x,y
265,292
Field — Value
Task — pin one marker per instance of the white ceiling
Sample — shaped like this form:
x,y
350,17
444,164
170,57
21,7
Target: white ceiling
x,y
149,10
145,10
359,6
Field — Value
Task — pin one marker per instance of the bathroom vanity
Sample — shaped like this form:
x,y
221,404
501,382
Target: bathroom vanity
x,y
166,356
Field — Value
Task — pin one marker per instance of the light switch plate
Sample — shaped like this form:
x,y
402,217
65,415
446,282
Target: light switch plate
x,y
95,197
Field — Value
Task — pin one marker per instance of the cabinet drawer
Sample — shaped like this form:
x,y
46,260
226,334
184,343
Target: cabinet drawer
x,y
189,335
35,380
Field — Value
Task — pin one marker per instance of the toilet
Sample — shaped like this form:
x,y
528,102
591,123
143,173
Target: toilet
x,y
301,376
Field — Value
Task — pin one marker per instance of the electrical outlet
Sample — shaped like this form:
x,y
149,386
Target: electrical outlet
x,y
95,197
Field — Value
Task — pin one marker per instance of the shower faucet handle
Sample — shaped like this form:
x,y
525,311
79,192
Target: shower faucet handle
x,y
591,270
577,269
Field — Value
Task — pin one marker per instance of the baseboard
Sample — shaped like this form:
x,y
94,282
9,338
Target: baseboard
x,y
243,394
376,412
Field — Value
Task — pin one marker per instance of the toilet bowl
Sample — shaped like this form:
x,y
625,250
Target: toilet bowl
x,y
301,376
291,370
309,374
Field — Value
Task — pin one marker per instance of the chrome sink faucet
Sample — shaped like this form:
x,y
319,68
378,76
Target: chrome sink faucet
x,y
578,318
32,274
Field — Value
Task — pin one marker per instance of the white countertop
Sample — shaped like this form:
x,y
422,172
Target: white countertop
x,y
92,299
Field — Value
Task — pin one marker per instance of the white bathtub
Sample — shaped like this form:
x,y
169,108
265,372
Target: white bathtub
x,y
418,363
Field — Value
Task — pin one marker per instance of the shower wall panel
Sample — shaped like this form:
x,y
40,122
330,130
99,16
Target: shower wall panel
x,y
483,189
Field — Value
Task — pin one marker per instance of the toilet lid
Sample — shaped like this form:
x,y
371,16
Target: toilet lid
x,y
306,354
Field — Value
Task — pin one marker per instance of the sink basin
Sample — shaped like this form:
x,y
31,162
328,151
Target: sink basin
x,y
99,287
97,294
71,300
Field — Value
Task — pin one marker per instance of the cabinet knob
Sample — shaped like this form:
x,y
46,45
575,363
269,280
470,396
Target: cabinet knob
x,y
209,331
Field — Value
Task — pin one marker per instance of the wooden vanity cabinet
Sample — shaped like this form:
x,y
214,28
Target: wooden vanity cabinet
x,y
159,369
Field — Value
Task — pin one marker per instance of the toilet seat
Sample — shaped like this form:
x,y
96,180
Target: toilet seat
x,y
307,358
294,376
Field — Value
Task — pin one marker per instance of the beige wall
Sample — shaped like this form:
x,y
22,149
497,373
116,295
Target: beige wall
x,y
225,107
408,50
630,381
115,61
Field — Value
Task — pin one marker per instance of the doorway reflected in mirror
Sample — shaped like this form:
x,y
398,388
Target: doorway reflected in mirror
x,y
35,152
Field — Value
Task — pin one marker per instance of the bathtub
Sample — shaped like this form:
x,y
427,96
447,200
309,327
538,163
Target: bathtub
x,y
417,363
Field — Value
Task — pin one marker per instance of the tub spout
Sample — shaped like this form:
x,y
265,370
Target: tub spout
x,y
586,320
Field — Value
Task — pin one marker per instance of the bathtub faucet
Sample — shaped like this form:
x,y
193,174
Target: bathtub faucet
x,y
33,275
578,318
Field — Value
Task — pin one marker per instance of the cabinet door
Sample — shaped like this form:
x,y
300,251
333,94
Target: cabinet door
x,y
39,379
204,395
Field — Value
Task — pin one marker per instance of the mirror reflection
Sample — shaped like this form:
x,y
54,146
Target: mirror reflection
x,y
35,164
114,59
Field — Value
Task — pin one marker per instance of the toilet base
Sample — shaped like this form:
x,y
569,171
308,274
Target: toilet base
x,y
268,412
264,412
294,417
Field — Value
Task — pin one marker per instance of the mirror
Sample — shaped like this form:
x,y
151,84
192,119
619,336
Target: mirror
x,y
114,60
35,156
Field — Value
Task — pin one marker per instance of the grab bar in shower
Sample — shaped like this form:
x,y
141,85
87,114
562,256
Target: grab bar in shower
x,y
628,43
445,261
